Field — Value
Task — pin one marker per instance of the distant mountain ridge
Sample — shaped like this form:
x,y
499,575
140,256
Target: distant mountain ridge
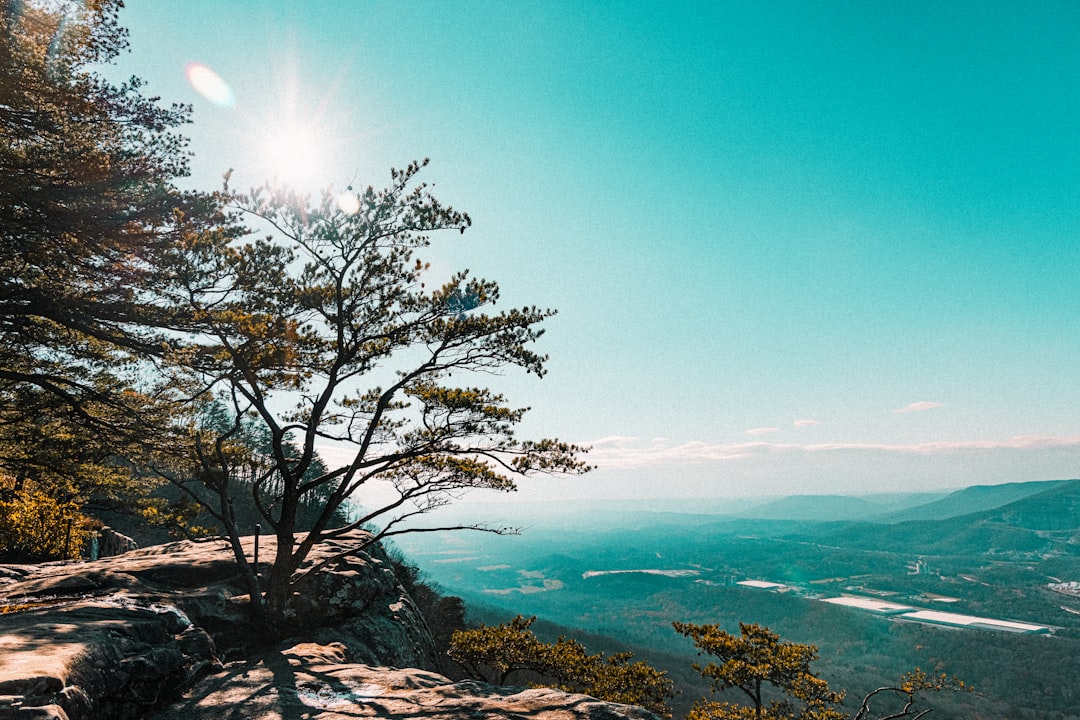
x,y
798,514
973,499
897,507
1055,509
986,551
829,508
1044,520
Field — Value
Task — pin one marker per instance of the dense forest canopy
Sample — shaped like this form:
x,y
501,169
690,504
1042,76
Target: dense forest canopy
x,y
88,209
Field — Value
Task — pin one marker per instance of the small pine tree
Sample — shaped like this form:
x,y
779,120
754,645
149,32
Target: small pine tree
x,y
758,663
565,664
754,661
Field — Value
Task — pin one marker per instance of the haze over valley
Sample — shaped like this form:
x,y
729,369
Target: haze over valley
x,y
973,582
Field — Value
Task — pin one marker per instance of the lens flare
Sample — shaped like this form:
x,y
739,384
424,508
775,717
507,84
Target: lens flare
x,y
348,202
209,84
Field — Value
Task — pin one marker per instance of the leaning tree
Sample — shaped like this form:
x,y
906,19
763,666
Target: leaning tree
x,y
330,331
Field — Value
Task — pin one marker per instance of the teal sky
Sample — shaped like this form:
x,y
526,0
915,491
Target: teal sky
x,y
767,227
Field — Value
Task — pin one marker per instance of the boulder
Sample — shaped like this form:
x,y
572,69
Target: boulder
x,y
106,542
362,605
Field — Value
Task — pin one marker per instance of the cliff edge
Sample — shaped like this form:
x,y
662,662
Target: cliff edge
x,y
162,632
313,681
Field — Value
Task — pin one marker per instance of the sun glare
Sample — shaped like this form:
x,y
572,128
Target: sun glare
x,y
295,156
348,202
288,135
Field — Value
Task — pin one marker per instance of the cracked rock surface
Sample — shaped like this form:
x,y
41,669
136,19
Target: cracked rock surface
x,y
162,633
112,638
312,681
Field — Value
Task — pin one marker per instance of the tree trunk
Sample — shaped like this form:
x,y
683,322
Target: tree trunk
x,y
248,575
278,584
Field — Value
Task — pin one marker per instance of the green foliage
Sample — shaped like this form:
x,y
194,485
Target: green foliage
x,y
858,651
754,661
506,649
177,515
126,305
565,664
244,451
56,471
87,205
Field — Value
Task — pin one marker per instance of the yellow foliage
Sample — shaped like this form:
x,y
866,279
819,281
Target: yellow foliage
x,y
36,525
565,664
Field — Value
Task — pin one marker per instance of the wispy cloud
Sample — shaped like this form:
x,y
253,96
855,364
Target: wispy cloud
x,y
624,451
920,406
762,430
629,452
806,423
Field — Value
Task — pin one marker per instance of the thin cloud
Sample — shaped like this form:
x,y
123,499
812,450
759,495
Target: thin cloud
x,y
806,423
619,439
921,406
762,430
628,452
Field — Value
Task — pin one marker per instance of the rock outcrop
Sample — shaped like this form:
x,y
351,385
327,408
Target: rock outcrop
x,y
106,542
111,638
313,681
122,637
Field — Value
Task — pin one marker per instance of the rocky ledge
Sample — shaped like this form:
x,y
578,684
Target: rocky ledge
x,y
314,681
161,632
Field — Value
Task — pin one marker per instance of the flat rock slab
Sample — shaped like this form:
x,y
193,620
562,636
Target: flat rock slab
x,y
74,636
113,639
61,661
301,685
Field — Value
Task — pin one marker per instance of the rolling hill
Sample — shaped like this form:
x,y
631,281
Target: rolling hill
x,y
826,508
1045,522
973,499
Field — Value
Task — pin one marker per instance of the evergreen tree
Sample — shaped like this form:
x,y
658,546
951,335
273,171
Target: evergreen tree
x,y
87,200
775,676
88,206
330,330
755,662
499,653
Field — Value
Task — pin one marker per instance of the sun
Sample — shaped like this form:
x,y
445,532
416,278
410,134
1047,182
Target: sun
x,y
292,148
295,155
290,128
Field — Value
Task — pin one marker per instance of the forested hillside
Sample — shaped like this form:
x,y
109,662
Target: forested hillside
x,y
629,584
